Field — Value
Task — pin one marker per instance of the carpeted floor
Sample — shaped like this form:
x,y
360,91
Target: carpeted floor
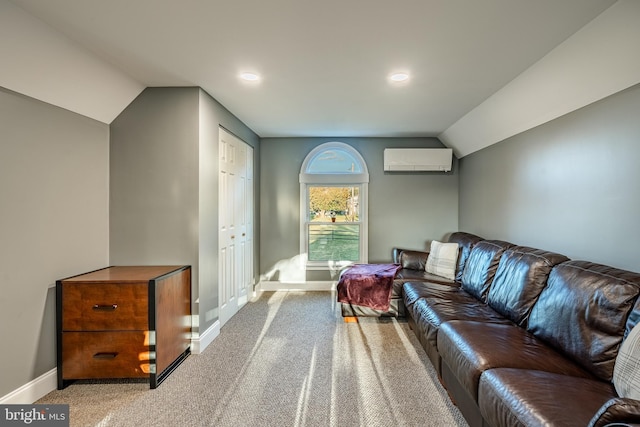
x,y
286,359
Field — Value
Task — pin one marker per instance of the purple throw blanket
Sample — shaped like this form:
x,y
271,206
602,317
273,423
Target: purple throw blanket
x,y
369,285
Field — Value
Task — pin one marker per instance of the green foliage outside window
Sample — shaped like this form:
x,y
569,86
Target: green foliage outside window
x,y
340,203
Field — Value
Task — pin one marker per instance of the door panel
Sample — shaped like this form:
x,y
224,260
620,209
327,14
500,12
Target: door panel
x,y
236,224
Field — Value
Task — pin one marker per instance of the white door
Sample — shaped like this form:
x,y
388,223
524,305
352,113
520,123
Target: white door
x,y
247,234
235,225
240,203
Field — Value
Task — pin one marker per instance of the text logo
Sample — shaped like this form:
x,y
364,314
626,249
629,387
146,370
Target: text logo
x,y
34,415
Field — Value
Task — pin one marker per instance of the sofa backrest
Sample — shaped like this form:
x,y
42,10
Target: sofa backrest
x,y
414,260
481,267
466,242
521,276
583,312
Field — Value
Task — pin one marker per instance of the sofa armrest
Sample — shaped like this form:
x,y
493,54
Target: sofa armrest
x,y
414,260
617,410
395,255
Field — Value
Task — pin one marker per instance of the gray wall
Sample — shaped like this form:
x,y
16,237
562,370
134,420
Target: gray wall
x,y
54,195
571,185
405,209
154,179
164,186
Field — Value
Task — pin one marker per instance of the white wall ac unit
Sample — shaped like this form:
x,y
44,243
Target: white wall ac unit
x,y
418,159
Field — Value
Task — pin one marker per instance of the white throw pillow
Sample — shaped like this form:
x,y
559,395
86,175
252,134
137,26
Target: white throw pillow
x,y
626,372
443,259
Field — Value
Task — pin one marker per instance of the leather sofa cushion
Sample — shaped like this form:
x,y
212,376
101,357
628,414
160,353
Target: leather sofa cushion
x,y
471,348
409,275
413,291
431,313
481,267
516,397
522,274
454,296
466,242
583,312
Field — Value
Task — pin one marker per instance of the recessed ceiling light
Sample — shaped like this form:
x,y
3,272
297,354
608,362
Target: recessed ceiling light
x,y
399,77
250,77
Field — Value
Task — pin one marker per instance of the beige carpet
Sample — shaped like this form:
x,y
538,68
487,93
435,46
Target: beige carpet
x,y
287,359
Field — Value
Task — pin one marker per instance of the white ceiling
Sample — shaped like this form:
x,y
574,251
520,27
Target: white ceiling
x,y
324,64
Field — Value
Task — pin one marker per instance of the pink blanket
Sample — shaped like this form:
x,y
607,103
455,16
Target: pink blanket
x,y
369,285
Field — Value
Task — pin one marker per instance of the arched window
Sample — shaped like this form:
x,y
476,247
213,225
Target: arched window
x,y
333,206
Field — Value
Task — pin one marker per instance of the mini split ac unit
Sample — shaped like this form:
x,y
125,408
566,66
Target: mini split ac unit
x,y
418,159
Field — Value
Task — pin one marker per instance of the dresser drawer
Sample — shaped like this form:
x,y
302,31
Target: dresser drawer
x,y
109,322
105,306
105,355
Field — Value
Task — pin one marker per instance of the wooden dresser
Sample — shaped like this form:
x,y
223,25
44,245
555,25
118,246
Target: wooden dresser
x,y
123,322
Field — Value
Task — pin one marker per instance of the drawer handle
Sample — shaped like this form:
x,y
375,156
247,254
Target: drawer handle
x,y
108,307
105,356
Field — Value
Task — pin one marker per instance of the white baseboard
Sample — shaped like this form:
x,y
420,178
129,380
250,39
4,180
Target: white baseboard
x,y
33,390
274,285
199,344
48,382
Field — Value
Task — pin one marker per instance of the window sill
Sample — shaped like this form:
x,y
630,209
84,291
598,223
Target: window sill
x,y
328,265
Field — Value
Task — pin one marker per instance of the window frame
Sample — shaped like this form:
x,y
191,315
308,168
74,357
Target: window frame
x,y
333,179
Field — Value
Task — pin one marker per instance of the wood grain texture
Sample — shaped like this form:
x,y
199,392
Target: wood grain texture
x,y
131,355
130,299
173,318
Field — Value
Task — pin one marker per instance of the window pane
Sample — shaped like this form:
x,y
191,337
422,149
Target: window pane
x,y
334,161
334,242
334,204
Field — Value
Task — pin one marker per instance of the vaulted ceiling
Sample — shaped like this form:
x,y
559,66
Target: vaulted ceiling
x,y
323,66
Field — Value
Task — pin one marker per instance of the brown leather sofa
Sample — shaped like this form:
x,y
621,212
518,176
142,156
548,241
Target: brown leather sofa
x,y
413,270
524,337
